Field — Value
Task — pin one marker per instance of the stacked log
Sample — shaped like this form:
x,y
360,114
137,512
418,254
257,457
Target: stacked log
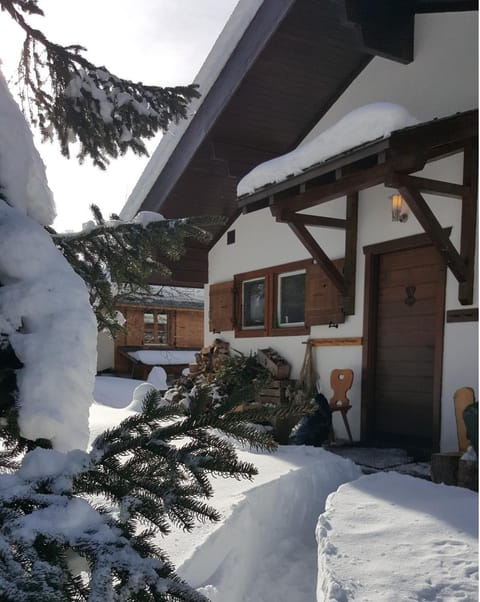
x,y
210,358
278,367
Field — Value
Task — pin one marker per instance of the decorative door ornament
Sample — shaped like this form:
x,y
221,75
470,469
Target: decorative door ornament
x,y
410,290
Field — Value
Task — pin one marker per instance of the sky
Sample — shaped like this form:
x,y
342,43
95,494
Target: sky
x,y
159,42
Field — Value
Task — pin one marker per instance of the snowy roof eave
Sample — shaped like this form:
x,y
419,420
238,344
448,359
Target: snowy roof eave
x,y
223,48
159,303
339,160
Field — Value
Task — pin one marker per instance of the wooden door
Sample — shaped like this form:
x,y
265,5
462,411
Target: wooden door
x,y
407,341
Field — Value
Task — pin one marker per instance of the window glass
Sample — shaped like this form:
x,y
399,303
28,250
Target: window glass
x,y
253,298
162,327
291,299
148,329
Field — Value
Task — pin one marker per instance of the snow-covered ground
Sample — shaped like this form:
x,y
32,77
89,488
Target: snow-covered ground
x,y
383,537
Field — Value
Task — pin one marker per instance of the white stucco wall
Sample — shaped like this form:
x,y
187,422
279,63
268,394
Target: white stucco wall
x,y
105,352
440,82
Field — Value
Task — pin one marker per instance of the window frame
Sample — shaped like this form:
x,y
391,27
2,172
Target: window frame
x,y
155,325
271,301
242,315
278,287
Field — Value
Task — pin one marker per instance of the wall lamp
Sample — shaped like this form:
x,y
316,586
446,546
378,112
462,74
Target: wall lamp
x,y
399,208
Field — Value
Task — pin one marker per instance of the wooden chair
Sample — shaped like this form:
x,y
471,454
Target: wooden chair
x,y
341,382
461,399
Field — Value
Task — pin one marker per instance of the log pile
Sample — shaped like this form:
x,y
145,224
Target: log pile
x,y
210,358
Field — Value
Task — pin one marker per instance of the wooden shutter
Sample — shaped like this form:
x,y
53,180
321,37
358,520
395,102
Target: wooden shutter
x,y
221,316
323,302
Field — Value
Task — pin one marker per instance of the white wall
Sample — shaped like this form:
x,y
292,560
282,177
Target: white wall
x,y
440,82
105,351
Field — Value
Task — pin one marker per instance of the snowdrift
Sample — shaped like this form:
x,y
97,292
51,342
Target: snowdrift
x,y
394,537
265,550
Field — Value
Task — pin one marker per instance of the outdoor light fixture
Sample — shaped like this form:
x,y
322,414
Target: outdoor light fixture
x,y
399,208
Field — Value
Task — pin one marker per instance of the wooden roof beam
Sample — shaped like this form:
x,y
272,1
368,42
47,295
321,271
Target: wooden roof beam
x,y
327,192
426,185
310,220
432,227
386,28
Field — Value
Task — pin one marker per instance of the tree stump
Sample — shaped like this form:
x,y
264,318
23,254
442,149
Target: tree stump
x,y
468,474
444,467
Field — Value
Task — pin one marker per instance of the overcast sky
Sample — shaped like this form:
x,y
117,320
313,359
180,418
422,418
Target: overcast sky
x,y
160,42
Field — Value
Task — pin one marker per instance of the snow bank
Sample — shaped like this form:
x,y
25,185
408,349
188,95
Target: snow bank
x,y
365,124
265,549
22,172
114,392
395,537
46,314
45,311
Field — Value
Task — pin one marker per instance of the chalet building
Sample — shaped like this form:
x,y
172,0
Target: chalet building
x,y
164,329
339,138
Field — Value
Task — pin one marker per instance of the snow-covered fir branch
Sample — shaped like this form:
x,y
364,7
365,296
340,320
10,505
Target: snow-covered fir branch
x,y
116,257
67,96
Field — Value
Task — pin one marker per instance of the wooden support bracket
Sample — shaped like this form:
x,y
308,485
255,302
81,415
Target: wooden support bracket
x,y
319,256
436,187
432,227
344,283
410,187
469,220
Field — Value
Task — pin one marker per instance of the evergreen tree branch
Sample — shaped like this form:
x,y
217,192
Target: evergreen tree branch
x,y
115,257
67,95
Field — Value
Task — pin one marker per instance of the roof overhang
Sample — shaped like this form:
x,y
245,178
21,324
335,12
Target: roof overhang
x,y
390,161
291,63
405,151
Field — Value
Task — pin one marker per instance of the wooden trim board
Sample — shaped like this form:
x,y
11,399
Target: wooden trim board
x,y
335,342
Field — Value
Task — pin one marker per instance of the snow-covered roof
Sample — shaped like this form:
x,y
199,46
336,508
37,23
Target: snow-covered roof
x,y
167,296
163,357
223,48
365,124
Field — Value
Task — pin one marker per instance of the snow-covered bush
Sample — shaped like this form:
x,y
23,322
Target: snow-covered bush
x,y
78,524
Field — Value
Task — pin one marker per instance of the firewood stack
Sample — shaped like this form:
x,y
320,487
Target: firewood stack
x,y
276,392
210,358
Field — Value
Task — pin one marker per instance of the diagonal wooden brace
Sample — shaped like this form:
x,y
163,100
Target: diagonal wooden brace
x,y
432,227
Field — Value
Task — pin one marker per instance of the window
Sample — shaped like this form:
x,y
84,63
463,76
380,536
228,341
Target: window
x,y
271,301
291,299
277,301
253,297
155,328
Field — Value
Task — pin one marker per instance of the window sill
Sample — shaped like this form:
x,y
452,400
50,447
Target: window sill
x,y
288,331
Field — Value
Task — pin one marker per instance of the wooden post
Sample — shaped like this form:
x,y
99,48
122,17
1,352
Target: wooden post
x,y
444,467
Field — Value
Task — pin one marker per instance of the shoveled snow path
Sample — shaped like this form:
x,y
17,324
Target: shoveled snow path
x,y
264,549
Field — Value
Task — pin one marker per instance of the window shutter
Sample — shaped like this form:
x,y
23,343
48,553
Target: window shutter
x,y
221,316
323,302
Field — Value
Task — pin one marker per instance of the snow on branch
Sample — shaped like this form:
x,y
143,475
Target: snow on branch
x,y
67,95
114,256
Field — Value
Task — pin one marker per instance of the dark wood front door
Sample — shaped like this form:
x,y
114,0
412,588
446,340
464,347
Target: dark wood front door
x,y
407,288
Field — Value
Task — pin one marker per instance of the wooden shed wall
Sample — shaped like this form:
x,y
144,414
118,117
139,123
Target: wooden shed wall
x,y
185,331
